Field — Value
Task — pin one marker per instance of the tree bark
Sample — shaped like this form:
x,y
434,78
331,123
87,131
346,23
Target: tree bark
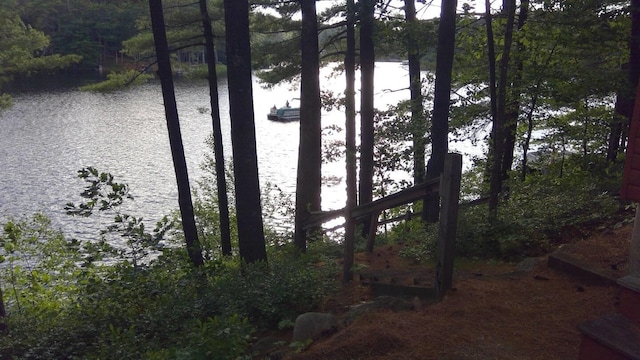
x,y
441,103
415,87
367,66
221,182
493,96
350,142
495,185
513,110
175,137
251,241
309,178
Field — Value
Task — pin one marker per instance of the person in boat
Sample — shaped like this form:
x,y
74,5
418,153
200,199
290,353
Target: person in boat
x,y
274,109
287,104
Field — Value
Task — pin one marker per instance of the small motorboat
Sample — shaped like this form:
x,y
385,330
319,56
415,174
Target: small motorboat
x,y
286,113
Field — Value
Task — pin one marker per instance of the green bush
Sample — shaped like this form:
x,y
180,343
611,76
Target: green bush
x,y
529,221
270,293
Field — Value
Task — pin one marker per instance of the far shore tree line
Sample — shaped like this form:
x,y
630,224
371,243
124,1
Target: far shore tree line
x,y
555,76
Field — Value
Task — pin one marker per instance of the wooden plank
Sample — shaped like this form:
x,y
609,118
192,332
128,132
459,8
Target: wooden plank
x,y
408,292
584,271
400,198
450,193
318,218
615,332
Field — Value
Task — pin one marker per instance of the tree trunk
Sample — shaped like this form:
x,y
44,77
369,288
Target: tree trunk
x,y
350,142
625,98
221,182
493,96
4,328
415,86
251,241
633,66
495,186
367,65
309,178
441,103
529,134
513,111
175,137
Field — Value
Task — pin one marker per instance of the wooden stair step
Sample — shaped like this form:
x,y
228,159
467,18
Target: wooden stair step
x,y
612,336
581,269
630,298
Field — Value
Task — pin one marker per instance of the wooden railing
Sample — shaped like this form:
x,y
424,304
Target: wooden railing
x,y
447,187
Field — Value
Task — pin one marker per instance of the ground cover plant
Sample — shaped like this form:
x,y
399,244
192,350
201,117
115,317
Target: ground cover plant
x,y
66,299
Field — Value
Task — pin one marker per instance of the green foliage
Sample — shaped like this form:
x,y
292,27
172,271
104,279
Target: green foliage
x,y
286,288
184,29
107,195
199,72
536,213
21,52
531,221
38,263
102,191
165,310
117,81
64,303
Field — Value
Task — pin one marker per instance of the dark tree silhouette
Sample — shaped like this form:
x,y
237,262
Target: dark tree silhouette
x,y
367,66
309,177
243,133
221,182
350,142
498,131
175,137
441,102
415,87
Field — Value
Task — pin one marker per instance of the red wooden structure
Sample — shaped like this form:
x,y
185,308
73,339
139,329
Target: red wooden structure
x,y
631,177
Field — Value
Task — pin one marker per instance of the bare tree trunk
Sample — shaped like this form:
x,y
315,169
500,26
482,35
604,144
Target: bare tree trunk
x,y
350,142
495,186
221,182
309,178
251,241
175,136
527,140
513,110
415,86
493,96
367,66
441,103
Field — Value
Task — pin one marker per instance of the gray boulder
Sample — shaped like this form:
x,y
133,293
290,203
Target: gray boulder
x,y
314,325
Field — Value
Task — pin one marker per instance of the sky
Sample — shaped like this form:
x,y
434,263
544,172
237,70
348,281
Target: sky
x,y
430,9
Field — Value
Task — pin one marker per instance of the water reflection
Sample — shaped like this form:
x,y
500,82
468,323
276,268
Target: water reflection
x,y
48,135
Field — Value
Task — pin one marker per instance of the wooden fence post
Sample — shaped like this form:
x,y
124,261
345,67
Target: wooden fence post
x,y
450,195
373,227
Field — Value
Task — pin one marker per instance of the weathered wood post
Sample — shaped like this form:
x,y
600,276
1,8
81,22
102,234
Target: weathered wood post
x,y
630,296
373,227
448,225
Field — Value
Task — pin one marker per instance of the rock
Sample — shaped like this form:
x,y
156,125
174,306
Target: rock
x,y
314,325
529,264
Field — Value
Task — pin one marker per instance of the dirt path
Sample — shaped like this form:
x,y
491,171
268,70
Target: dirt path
x,y
493,313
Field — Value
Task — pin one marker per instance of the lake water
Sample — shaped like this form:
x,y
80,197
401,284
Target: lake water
x,y
47,136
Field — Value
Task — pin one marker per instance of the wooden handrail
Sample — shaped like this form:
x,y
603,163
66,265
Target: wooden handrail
x,y
402,197
447,186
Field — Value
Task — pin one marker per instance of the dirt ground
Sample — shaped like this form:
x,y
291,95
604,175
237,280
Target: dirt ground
x,y
493,312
